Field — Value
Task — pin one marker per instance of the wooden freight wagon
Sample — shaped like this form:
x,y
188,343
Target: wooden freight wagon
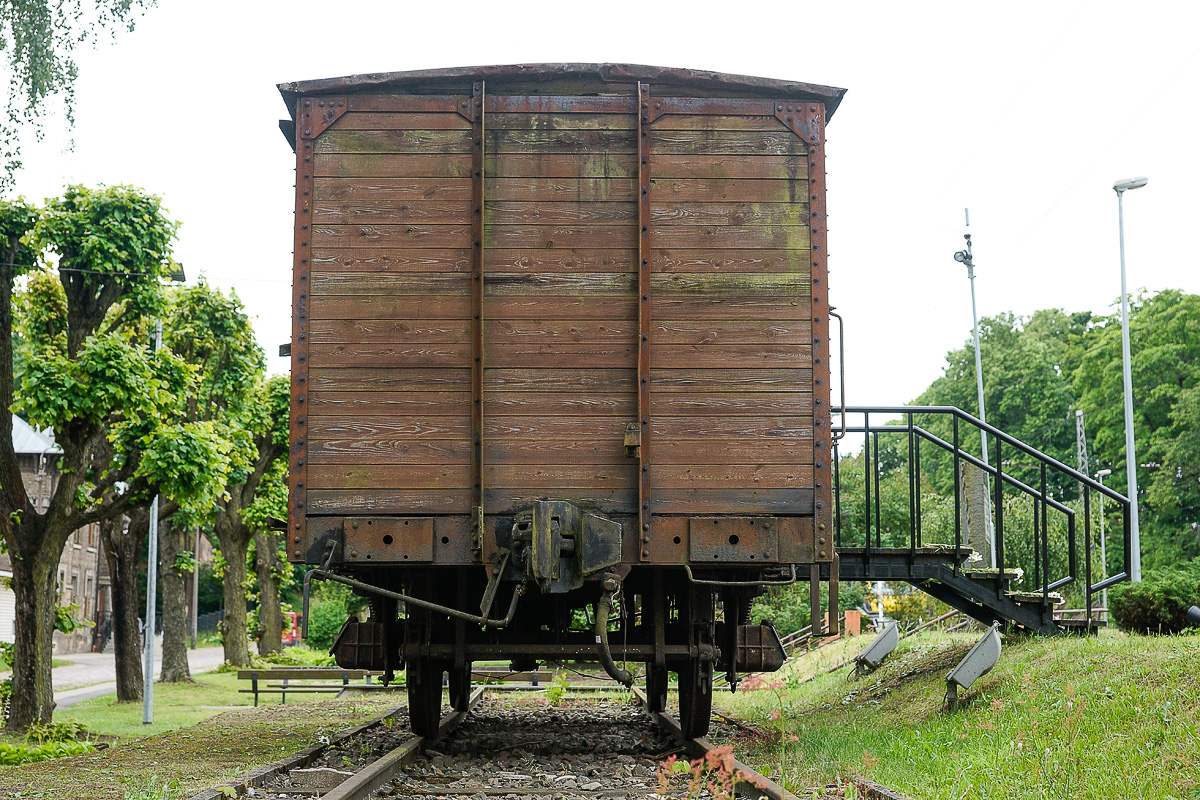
x,y
560,353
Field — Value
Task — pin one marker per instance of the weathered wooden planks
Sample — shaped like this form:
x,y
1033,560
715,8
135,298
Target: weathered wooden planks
x,y
392,165
406,402
391,237
560,331
341,140
401,121
391,190
561,165
507,500
720,142
731,356
587,476
391,212
374,260
560,190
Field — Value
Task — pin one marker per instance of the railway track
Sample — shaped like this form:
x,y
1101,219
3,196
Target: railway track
x,y
510,749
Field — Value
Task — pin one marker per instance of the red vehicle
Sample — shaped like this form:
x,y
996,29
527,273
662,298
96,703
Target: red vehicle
x,y
291,628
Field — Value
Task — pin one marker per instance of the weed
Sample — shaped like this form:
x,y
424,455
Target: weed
x,y
154,788
66,731
711,776
557,689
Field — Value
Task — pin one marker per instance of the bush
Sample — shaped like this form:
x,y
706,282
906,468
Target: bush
x,y
68,731
325,620
298,656
29,753
1159,603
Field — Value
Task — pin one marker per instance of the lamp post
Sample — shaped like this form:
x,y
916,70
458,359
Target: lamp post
x,y
176,275
1135,568
1100,476
965,257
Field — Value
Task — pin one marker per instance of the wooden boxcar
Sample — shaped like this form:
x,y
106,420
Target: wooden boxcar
x,y
560,366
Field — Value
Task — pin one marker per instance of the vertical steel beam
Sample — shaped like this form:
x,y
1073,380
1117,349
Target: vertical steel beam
x,y
308,127
645,450
477,350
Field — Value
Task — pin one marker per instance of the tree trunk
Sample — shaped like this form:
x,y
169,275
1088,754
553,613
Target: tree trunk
x,y
234,545
270,616
33,583
174,603
123,550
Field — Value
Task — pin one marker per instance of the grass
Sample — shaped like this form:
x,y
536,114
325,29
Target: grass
x,y
176,705
60,662
1107,716
173,764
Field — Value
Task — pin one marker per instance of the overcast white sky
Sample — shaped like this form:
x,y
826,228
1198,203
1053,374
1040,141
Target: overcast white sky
x,y
1025,112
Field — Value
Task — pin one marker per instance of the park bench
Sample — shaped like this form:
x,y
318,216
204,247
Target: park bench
x,y
278,680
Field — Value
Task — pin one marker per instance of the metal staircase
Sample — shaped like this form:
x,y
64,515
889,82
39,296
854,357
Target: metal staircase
x,y
904,514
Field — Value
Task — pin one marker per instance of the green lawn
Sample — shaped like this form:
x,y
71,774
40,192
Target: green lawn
x,y
1069,717
176,705
203,735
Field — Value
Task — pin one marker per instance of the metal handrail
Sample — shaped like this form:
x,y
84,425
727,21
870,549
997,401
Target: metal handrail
x,y
1004,437
1043,501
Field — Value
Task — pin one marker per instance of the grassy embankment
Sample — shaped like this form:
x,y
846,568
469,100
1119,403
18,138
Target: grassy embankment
x,y
203,734
1070,717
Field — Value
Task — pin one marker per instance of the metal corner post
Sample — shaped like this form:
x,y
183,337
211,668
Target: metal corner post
x,y
645,450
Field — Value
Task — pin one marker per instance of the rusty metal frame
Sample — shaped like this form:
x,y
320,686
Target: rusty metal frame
x,y
808,120
645,450
310,122
478,91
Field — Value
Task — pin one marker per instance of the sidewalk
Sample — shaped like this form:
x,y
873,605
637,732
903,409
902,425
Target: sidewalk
x,y
95,674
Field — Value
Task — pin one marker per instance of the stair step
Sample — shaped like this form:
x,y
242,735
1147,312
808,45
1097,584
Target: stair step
x,y
1055,598
1013,574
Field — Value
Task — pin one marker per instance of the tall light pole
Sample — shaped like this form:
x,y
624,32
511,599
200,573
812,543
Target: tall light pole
x,y
1135,569
965,257
1100,476
151,589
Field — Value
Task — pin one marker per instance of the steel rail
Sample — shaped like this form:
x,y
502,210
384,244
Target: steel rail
x,y
363,784
258,778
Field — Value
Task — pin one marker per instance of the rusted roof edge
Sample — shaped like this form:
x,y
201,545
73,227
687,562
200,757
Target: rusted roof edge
x,y
665,77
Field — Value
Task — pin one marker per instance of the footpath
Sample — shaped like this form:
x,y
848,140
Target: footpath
x,y
95,674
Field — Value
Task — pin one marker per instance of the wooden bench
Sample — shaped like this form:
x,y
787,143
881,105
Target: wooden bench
x,y
278,680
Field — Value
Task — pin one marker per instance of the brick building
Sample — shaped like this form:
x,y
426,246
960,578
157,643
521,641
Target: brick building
x,y
83,577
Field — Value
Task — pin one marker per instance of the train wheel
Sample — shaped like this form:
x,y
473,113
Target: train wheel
x,y
656,687
695,698
424,679
460,688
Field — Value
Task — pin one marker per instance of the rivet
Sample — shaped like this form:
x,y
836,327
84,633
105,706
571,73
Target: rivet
x,y
296,540
646,526
645,554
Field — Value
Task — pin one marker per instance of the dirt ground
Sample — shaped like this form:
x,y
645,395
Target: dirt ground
x,y
189,760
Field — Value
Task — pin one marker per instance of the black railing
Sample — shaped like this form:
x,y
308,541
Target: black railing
x,y
940,433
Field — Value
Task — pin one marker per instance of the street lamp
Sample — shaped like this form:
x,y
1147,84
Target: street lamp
x,y
1135,568
965,257
1100,476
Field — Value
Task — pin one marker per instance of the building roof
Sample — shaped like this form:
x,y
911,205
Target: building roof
x,y
567,79
27,439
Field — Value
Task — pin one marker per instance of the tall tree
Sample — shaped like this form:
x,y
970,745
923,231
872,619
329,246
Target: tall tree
x,y
270,567
1164,332
212,332
1027,364
39,38
123,548
88,375
265,440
